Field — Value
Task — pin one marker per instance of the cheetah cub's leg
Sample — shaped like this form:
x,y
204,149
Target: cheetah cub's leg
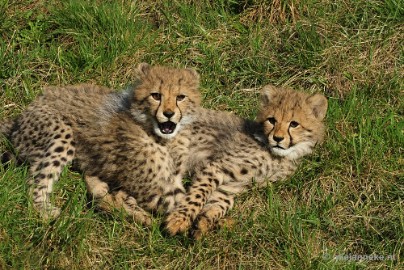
x,y
108,201
211,216
204,184
46,165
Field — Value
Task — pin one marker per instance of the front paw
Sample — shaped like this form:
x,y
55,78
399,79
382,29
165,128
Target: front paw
x,y
201,226
204,224
177,222
49,212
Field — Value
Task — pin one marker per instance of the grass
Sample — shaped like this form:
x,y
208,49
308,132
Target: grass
x,y
346,199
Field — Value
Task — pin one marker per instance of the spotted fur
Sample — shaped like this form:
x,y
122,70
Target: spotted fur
x,y
228,154
116,138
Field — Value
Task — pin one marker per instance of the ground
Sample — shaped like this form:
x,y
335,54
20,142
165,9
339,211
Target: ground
x,y
344,201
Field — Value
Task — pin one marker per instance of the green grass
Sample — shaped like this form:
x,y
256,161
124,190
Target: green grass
x,y
346,199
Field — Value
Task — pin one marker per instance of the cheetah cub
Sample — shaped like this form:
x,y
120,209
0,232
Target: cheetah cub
x,y
116,138
232,153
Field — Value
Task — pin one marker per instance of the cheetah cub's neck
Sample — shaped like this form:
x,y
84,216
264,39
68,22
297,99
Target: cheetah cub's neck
x,y
292,121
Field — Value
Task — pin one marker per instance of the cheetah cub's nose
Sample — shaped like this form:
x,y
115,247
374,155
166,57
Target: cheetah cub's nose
x,y
278,139
168,114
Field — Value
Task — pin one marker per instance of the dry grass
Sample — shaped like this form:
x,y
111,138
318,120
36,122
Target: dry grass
x,y
345,199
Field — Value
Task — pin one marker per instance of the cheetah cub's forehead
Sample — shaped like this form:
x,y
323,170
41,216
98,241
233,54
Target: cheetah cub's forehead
x,y
166,97
168,81
293,121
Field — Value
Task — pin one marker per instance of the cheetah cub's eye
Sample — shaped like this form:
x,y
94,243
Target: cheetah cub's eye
x,y
180,97
272,120
293,124
156,96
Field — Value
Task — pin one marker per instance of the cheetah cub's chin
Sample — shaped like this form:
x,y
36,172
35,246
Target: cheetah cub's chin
x,y
289,119
165,100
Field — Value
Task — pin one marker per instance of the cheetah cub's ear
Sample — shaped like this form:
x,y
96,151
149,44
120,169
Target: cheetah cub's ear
x,y
268,93
318,103
193,74
143,69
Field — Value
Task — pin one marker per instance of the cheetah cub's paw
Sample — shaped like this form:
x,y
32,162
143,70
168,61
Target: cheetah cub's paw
x,y
204,225
129,204
109,201
177,222
120,201
49,212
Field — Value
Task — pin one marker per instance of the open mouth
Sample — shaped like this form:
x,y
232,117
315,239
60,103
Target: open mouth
x,y
167,127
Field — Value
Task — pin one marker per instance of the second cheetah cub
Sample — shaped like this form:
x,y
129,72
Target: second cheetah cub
x,y
231,153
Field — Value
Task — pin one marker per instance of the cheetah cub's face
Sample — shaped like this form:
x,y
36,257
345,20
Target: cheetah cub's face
x,y
166,98
293,121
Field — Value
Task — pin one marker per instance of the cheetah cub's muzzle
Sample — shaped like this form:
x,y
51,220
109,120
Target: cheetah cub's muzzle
x,y
168,116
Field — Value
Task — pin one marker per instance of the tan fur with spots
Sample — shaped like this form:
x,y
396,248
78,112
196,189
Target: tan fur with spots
x,y
116,138
233,153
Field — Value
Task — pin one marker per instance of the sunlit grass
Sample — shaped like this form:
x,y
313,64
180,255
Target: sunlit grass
x,y
347,198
